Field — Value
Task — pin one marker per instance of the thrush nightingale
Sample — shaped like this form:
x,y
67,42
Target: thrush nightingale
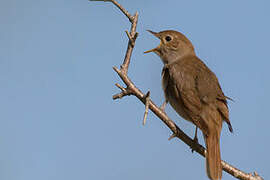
x,y
194,92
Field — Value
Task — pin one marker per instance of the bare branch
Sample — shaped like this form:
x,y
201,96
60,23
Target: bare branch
x,y
132,38
239,174
145,99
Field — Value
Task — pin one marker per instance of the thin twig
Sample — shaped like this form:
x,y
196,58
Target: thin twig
x,y
133,90
172,136
147,100
133,35
125,12
120,87
125,92
131,40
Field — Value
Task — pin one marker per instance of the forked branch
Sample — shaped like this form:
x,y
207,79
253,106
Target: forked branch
x,y
131,89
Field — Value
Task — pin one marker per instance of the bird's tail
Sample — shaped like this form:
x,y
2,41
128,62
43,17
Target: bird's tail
x,y
213,160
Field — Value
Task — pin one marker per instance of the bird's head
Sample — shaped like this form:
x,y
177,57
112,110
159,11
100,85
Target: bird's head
x,y
173,45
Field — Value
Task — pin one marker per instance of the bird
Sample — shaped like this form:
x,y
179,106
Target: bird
x,y
194,92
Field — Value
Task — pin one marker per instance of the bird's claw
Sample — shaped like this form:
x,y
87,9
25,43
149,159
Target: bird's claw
x,y
195,139
163,106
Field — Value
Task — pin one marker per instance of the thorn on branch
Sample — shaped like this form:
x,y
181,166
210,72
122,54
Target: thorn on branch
x,y
125,92
120,87
131,39
122,70
135,17
257,176
172,136
136,35
147,100
117,70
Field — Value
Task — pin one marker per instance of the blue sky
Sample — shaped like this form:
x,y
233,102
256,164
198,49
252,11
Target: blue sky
x,y
58,119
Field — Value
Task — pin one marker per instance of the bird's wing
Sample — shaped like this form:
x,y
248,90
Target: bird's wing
x,y
210,91
198,86
183,78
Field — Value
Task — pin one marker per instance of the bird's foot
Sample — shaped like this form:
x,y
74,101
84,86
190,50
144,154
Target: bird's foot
x,y
195,139
163,106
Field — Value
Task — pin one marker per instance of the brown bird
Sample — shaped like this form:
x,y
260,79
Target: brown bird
x,y
194,92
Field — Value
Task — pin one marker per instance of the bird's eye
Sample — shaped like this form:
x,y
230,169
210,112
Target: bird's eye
x,y
168,38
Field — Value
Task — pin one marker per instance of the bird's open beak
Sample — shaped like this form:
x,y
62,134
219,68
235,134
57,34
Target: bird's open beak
x,y
157,48
152,50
